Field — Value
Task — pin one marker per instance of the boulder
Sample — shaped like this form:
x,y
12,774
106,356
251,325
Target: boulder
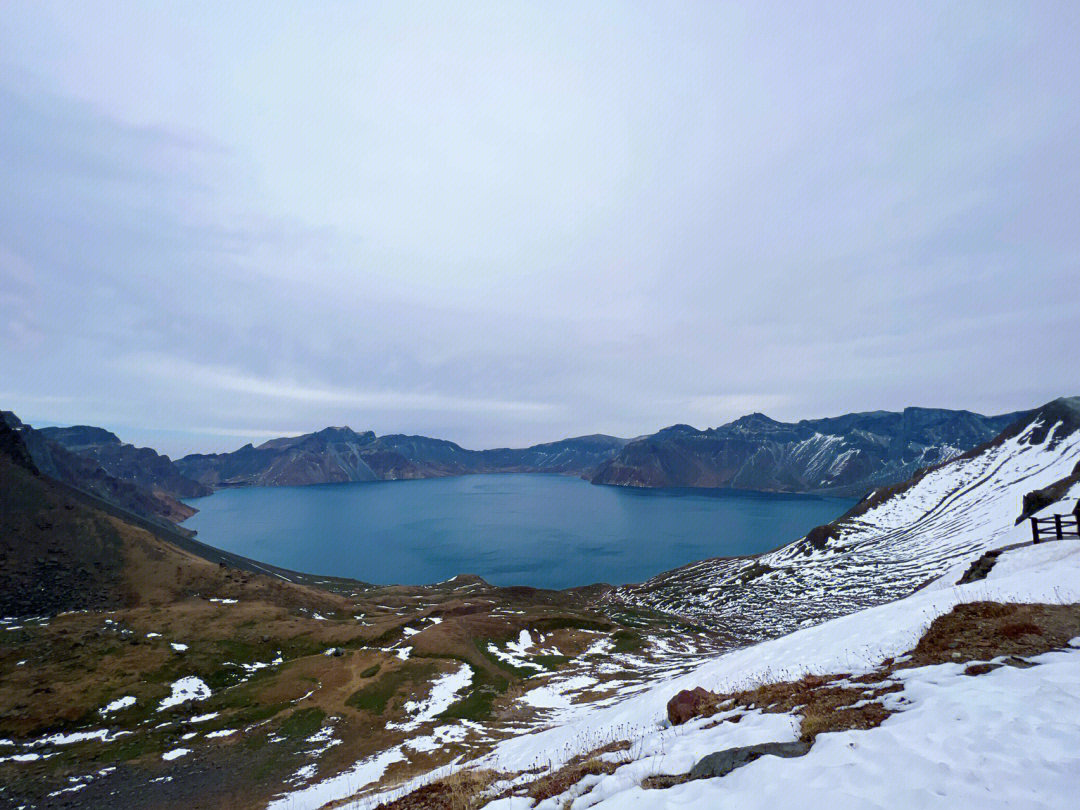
x,y
721,763
690,703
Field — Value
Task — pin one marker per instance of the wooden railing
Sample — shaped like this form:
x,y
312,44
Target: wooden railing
x,y
1055,527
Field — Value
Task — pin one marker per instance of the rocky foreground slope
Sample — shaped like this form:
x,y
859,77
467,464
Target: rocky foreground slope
x,y
847,454
956,696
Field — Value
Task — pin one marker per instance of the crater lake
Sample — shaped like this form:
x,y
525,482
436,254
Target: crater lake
x,y
545,531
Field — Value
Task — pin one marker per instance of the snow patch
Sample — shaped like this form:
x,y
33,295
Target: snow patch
x,y
184,690
120,703
444,691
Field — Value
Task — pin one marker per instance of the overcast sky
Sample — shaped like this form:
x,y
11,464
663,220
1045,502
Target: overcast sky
x,y
505,223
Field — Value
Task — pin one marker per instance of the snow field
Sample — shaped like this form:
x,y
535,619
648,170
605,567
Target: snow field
x,y
1037,715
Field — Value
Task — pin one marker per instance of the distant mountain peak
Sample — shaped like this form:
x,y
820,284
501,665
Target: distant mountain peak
x,y
754,420
336,429
77,436
344,433
678,428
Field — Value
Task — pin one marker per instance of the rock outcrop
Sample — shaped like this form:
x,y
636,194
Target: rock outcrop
x,y
690,703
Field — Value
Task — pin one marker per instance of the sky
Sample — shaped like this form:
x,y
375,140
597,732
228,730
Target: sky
x,y
508,223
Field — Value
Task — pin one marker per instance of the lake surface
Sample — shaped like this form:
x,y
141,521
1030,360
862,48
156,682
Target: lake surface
x,y
547,531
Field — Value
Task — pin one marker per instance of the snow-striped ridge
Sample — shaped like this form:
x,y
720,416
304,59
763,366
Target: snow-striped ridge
x,y
950,516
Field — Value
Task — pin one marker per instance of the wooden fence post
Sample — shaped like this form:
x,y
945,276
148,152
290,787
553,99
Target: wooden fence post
x,y
1057,526
1034,530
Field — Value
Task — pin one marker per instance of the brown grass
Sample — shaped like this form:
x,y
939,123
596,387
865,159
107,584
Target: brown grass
x,y
462,790
819,718
1017,630
823,705
560,781
979,631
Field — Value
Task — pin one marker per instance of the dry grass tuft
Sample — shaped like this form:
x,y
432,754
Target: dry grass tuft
x,y
820,718
466,786
1016,630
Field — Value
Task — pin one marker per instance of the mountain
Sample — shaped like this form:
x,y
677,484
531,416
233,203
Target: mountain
x,y
843,455
898,538
140,465
337,454
134,493
572,456
846,454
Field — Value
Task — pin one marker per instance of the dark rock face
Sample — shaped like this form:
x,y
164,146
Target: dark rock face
x,y
722,763
1037,500
980,568
1041,498
11,445
688,704
58,554
83,472
140,465
844,455
818,538
342,454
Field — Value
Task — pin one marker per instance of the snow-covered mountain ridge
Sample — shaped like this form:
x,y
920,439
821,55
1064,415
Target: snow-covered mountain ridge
x,y
886,547
847,454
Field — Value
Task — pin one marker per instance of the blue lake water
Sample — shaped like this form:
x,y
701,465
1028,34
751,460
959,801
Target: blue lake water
x,y
547,531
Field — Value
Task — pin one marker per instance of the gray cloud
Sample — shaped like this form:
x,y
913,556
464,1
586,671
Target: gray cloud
x,y
517,223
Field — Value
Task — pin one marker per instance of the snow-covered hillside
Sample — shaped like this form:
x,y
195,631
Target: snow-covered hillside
x,y
1007,738
946,518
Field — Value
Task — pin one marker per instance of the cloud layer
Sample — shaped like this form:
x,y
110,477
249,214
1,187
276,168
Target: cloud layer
x,y
511,223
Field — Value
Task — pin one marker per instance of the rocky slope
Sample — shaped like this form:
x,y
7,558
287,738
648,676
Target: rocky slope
x,y
898,538
338,454
847,454
140,465
83,471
